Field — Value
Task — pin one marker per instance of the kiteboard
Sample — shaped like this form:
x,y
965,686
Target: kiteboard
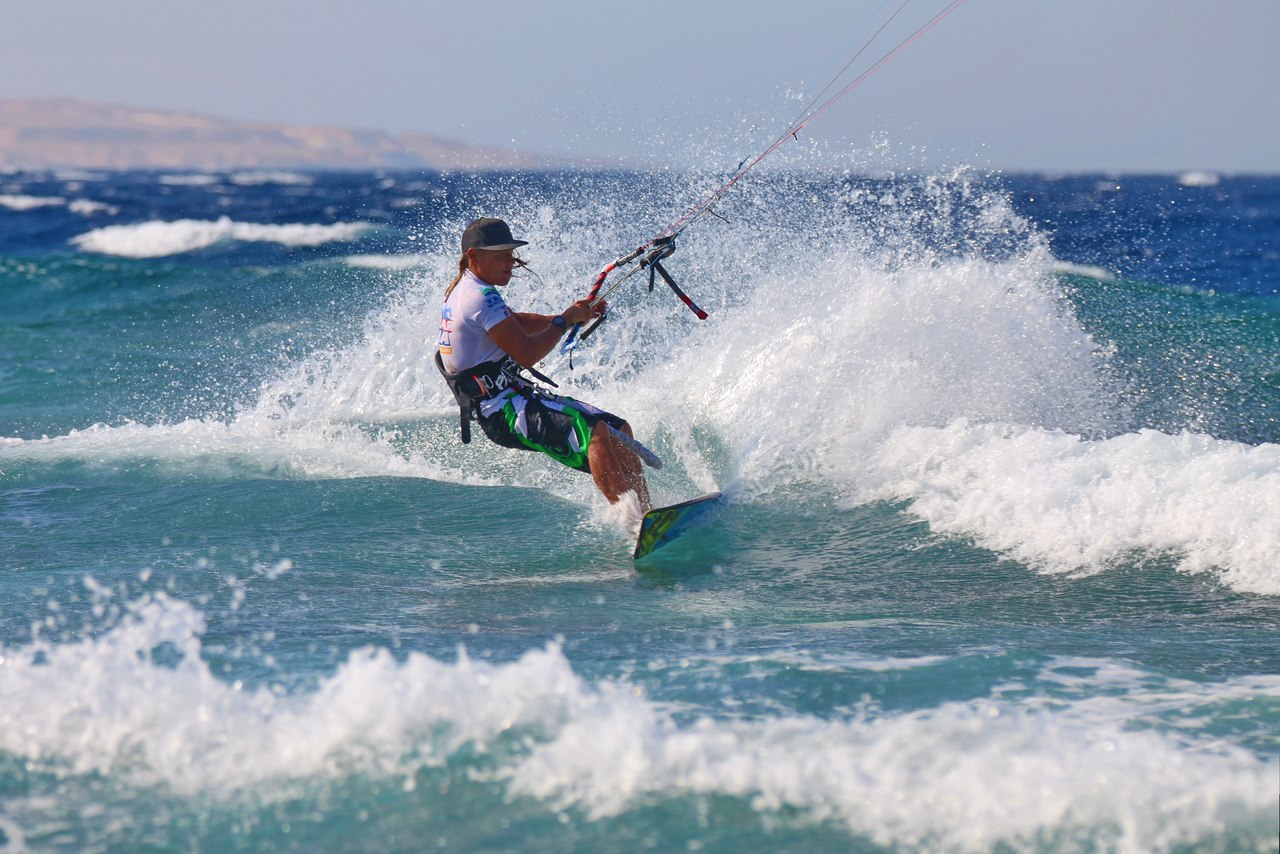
x,y
664,524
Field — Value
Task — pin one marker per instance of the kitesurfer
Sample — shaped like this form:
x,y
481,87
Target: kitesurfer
x,y
484,348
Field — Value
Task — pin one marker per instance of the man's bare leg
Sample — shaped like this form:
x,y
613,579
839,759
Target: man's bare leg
x,y
615,469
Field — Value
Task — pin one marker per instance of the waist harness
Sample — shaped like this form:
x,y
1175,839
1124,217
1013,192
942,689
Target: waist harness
x,y
482,382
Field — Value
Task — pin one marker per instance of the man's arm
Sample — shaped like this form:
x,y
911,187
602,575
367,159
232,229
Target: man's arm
x,y
528,337
518,343
532,323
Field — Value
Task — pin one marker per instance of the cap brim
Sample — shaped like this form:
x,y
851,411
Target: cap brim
x,y
512,245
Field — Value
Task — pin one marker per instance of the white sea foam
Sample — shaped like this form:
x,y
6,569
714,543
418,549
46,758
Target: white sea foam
x,y
248,446
968,775
255,179
88,207
389,375
84,207
1085,270
919,345
1199,179
1064,504
18,202
387,262
196,179
156,239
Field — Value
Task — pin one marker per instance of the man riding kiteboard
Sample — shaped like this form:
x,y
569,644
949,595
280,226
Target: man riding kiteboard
x,y
484,350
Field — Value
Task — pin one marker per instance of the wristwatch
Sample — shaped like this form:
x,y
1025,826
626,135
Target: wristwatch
x,y
559,322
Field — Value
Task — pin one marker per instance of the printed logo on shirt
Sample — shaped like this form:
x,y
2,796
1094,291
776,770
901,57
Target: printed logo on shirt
x,y
493,301
445,342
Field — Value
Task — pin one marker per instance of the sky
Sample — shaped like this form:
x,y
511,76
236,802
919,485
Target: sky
x,y
1014,85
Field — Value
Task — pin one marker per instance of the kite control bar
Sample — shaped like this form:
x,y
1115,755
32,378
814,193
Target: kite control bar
x,y
651,253
649,256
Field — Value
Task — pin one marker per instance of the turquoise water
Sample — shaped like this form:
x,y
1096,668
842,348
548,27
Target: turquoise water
x,y
999,569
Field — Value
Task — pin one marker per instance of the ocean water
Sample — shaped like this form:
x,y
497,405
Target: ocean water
x,y
1000,569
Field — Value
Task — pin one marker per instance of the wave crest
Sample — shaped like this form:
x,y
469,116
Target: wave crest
x,y
157,239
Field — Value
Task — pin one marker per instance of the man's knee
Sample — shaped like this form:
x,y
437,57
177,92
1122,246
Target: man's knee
x,y
601,431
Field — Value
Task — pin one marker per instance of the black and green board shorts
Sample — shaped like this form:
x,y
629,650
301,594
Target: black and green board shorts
x,y
553,424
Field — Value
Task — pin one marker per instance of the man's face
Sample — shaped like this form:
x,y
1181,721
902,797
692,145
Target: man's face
x,y
493,266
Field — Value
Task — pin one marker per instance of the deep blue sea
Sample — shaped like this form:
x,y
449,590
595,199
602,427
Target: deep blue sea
x,y
1000,569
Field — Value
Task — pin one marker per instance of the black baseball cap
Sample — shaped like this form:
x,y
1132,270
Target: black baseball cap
x,y
489,233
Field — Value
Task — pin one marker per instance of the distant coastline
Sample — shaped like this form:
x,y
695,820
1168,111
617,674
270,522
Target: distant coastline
x,y
67,133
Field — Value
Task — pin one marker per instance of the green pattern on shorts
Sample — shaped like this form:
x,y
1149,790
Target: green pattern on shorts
x,y
569,457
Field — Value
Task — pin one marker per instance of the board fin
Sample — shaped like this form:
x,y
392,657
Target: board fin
x,y
664,524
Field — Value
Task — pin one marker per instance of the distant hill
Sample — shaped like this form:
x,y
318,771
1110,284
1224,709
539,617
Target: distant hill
x,y
40,133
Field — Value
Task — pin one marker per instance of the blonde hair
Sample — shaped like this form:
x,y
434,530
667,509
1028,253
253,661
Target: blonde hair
x,y
462,269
